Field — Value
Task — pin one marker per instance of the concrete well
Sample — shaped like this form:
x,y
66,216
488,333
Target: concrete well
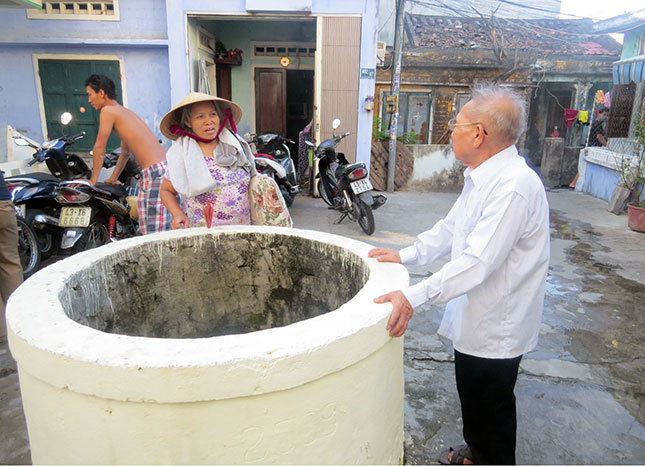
x,y
229,345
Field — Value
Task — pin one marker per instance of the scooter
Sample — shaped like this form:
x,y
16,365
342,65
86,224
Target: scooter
x,y
273,158
93,215
34,194
345,186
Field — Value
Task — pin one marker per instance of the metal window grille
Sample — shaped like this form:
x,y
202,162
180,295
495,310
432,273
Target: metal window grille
x,y
620,113
281,50
78,9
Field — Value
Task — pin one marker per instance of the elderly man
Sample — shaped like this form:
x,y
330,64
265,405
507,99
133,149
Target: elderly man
x,y
498,236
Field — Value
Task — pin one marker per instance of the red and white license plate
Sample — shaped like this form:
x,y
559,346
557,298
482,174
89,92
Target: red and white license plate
x,y
361,186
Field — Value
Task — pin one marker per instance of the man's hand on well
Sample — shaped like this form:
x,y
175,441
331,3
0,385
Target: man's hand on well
x,y
401,312
385,255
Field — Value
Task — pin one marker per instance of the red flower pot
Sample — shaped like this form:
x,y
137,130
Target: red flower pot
x,y
636,217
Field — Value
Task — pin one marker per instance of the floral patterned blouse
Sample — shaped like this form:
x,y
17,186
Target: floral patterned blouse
x,y
229,200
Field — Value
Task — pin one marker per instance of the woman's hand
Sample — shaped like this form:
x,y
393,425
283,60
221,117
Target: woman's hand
x,y
179,221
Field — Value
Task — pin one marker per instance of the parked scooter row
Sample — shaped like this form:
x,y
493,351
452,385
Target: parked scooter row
x,y
345,186
68,215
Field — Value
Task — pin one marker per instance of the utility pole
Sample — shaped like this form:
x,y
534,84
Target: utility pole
x,y
393,101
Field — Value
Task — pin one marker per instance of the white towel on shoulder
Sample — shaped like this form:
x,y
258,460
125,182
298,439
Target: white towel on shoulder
x,y
187,169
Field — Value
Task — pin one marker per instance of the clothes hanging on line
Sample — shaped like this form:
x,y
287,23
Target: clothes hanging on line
x,y
600,96
583,117
570,117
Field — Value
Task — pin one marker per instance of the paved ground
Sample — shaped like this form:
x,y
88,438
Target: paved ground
x,y
580,393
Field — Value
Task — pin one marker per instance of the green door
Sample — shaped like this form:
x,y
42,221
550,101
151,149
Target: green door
x,y
63,88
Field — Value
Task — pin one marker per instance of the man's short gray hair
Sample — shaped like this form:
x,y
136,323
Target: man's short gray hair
x,y
502,108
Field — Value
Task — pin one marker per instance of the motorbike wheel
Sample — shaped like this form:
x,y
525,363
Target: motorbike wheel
x,y
365,217
27,247
45,239
288,197
323,194
96,235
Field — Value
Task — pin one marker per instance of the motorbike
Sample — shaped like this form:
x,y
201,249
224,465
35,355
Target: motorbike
x,y
93,215
131,172
34,195
345,186
273,158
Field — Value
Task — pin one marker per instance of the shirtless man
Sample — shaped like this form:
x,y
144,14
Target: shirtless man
x,y
136,137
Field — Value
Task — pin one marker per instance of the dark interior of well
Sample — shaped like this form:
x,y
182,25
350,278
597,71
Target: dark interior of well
x,y
204,286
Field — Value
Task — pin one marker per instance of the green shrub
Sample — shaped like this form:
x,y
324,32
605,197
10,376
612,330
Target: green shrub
x,y
379,134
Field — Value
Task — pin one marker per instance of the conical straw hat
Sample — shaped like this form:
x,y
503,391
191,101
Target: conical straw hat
x,y
173,116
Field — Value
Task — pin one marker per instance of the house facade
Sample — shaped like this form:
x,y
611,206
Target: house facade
x,y
600,168
555,64
284,63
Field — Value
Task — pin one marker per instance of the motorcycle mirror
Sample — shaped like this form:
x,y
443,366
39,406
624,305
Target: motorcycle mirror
x,y
66,118
21,142
336,123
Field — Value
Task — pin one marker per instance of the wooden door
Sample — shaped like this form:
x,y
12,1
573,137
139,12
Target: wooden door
x,y
63,90
224,82
270,100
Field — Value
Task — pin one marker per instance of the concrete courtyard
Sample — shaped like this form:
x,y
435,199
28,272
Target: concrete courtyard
x,y
580,394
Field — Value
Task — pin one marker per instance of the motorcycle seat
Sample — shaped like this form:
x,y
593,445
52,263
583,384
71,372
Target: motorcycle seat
x,y
34,178
114,189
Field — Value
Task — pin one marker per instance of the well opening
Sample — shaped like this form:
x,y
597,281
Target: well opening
x,y
212,285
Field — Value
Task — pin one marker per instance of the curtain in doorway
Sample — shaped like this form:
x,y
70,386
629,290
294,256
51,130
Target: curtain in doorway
x,y
204,85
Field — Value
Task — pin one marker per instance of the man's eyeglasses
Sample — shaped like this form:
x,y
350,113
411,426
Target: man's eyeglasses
x,y
452,124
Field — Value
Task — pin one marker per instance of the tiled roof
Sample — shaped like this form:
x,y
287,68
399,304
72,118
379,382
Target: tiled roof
x,y
549,36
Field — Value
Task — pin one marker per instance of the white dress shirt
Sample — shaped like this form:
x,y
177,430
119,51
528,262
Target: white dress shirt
x,y
498,236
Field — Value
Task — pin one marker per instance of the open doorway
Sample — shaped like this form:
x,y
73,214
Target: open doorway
x,y
284,102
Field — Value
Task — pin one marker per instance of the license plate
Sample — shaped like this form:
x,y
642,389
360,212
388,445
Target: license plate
x,y
361,186
75,216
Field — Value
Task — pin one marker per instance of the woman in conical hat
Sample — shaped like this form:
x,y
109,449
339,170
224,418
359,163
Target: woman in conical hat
x,y
207,164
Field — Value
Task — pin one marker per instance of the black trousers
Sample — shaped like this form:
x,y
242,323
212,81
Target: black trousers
x,y
485,389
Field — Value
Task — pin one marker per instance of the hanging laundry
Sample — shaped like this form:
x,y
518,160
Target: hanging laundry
x,y
607,99
570,117
583,117
600,96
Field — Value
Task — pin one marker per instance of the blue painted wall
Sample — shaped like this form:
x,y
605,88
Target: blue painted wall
x,y
150,41
138,40
601,182
139,19
631,43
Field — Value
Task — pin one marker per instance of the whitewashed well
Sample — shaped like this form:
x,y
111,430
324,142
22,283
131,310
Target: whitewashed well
x,y
232,345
